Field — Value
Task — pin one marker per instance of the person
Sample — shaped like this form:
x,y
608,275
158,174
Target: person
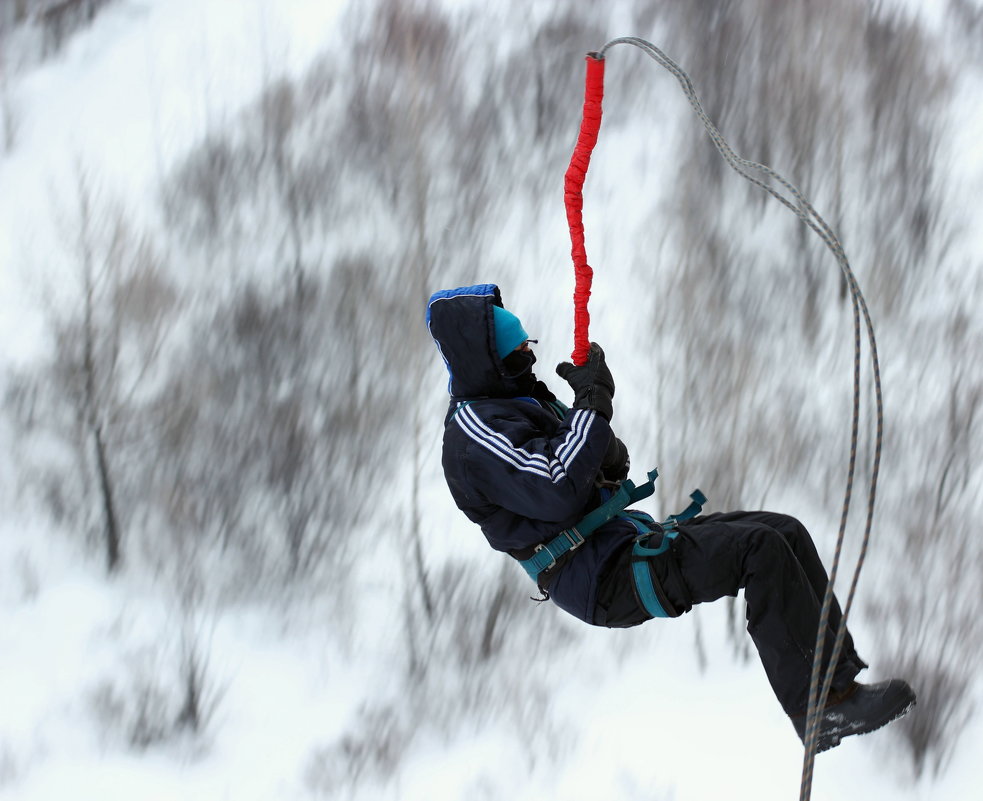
x,y
547,484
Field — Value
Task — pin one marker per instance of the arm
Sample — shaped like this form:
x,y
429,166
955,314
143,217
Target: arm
x,y
514,465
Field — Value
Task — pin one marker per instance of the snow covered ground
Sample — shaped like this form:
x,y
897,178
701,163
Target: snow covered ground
x,y
655,726
123,99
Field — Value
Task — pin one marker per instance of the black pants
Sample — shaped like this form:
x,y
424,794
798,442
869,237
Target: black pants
x,y
774,560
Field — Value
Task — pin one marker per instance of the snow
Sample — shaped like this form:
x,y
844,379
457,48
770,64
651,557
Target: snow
x,y
122,101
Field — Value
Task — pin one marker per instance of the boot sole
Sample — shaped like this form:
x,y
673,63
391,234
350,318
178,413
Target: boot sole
x,y
832,738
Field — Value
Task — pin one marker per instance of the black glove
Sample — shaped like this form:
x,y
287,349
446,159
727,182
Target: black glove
x,y
616,461
593,386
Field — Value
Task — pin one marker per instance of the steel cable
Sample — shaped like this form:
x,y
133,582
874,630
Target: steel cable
x,y
818,689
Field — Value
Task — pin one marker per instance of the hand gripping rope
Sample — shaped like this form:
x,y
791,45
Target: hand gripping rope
x,y
797,203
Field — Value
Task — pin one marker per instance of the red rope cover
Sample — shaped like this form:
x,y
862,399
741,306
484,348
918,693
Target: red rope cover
x,y
573,183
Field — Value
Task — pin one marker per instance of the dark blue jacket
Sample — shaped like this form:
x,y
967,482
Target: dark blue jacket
x,y
514,465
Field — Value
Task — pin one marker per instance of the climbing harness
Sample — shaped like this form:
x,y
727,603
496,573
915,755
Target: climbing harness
x,y
547,555
551,554
652,599
797,203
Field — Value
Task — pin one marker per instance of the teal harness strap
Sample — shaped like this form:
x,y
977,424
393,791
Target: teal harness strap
x,y
559,407
547,554
641,553
642,572
691,511
458,408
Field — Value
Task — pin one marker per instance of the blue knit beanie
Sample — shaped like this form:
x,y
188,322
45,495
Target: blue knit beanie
x,y
509,333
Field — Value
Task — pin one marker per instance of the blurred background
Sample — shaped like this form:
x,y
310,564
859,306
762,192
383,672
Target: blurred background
x,y
229,566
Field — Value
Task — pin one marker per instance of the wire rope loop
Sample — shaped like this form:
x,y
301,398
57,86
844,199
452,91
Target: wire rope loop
x,y
818,689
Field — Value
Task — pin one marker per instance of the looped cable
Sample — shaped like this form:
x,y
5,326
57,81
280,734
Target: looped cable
x,y
800,206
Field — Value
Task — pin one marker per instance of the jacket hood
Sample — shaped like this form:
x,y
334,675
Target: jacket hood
x,y
462,323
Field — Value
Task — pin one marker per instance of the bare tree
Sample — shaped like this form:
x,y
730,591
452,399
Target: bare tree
x,y
106,346
8,110
96,374
8,123
61,18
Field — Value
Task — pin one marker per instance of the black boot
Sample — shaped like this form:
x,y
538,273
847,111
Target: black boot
x,y
861,709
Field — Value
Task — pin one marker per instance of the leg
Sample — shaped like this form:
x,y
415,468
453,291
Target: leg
x,y
719,554
802,545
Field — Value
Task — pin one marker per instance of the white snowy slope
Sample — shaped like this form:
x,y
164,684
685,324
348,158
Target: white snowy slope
x,y
644,719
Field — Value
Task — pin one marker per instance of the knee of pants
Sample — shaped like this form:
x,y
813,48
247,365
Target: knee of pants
x,y
767,547
791,528
798,536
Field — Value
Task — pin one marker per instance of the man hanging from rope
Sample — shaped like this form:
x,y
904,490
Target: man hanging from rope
x,y
548,485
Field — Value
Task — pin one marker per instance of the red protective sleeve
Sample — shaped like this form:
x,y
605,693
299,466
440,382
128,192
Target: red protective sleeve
x,y
573,183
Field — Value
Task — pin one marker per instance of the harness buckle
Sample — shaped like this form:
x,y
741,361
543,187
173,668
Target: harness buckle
x,y
536,552
574,537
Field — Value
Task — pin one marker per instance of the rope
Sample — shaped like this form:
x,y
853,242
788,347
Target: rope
x,y
573,199
801,207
